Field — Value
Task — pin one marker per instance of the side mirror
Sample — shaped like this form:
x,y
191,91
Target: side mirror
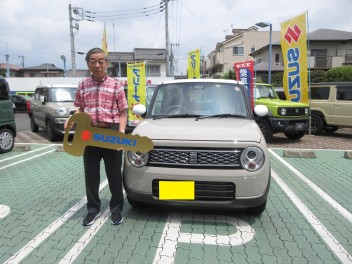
x,y
139,109
261,110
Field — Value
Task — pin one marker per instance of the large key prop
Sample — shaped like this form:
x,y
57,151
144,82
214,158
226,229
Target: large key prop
x,y
86,135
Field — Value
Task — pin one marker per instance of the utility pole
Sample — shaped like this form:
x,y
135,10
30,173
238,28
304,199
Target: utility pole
x,y
7,61
72,36
22,57
167,37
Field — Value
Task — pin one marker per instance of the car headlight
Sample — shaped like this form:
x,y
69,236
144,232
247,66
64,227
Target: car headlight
x,y
137,159
252,159
283,111
306,111
61,110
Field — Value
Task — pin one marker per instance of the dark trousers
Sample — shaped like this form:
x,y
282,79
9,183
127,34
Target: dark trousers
x,y
112,161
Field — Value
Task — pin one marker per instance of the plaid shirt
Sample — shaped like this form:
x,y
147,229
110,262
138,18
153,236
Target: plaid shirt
x,y
103,100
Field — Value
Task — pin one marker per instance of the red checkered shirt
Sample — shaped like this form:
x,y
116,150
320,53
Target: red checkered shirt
x,y
103,100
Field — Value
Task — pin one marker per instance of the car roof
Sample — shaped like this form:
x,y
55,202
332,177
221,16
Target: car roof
x,y
57,86
201,81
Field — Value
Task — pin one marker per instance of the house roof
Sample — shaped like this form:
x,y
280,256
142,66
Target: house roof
x,y
43,67
329,35
316,35
11,66
138,54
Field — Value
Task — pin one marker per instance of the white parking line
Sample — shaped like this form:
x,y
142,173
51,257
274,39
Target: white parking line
x,y
29,152
329,239
344,212
15,163
86,238
35,242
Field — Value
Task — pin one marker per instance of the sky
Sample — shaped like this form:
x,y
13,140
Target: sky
x,y
38,31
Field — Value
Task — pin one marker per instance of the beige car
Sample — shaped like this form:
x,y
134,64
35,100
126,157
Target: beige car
x,y
331,106
204,135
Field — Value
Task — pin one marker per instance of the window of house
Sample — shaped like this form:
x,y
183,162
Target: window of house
x,y
153,70
238,51
277,58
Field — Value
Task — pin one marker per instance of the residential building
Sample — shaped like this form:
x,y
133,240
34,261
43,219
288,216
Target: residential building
x,y
43,70
328,48
155,60
237,48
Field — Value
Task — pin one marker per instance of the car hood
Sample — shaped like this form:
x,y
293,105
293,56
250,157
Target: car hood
x,y
278,102
231,129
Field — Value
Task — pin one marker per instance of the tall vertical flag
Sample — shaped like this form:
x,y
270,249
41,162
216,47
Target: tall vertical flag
x,y
194,64
245,73
104,42
294,50
136,81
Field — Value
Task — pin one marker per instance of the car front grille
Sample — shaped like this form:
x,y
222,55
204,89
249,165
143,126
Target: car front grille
x,y
293,111
206,190
191,158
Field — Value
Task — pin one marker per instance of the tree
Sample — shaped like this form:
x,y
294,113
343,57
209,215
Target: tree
x,y
317,76
339,74
2,72
229,75
277,79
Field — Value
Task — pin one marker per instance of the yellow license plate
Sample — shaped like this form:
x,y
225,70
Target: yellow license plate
x,y
176,190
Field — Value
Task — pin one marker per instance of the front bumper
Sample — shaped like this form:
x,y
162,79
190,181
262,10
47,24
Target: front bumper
x,y
290,124
251,189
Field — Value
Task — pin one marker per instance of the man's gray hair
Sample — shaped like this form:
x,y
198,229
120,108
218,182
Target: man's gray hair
x,y
93,51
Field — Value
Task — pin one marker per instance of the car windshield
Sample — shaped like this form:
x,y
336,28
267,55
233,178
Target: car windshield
x,y
199,99
63,94
265,91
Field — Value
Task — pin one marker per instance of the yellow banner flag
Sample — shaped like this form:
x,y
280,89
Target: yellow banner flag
x,y
194,64
104,42
136,90
294,51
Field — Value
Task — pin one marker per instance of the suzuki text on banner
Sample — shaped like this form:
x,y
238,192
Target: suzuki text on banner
x,y
294,51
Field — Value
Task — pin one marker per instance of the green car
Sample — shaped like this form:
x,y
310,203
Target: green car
x,y
291,118
7,120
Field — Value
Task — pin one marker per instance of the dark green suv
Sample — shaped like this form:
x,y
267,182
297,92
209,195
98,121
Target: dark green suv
x,y
7,120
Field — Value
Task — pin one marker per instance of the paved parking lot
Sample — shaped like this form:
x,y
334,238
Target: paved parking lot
x,y
307,220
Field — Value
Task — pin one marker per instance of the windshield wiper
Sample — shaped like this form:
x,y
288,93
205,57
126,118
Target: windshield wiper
x,y
175,116
220,116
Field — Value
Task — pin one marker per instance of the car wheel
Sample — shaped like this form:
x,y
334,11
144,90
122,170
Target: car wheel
x,y
34,127
134,203
331,129
266,129
258,209
317,125
50,131
7,140
294,135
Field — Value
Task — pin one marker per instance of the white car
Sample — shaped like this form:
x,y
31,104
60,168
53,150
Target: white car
x,y
208,150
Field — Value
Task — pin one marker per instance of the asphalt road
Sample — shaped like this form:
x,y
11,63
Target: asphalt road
x,y
22,121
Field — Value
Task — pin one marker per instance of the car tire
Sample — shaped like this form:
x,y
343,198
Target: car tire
x,y
7,140
134,203
295,135
50,131
317,125
34,127
258,210
266,129
331,129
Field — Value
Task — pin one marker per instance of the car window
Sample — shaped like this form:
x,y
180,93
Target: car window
x,y
4,91
199,99
63,94
320,93
344,93
264,91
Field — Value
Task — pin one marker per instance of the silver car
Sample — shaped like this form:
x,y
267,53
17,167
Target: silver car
x,y
208,150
